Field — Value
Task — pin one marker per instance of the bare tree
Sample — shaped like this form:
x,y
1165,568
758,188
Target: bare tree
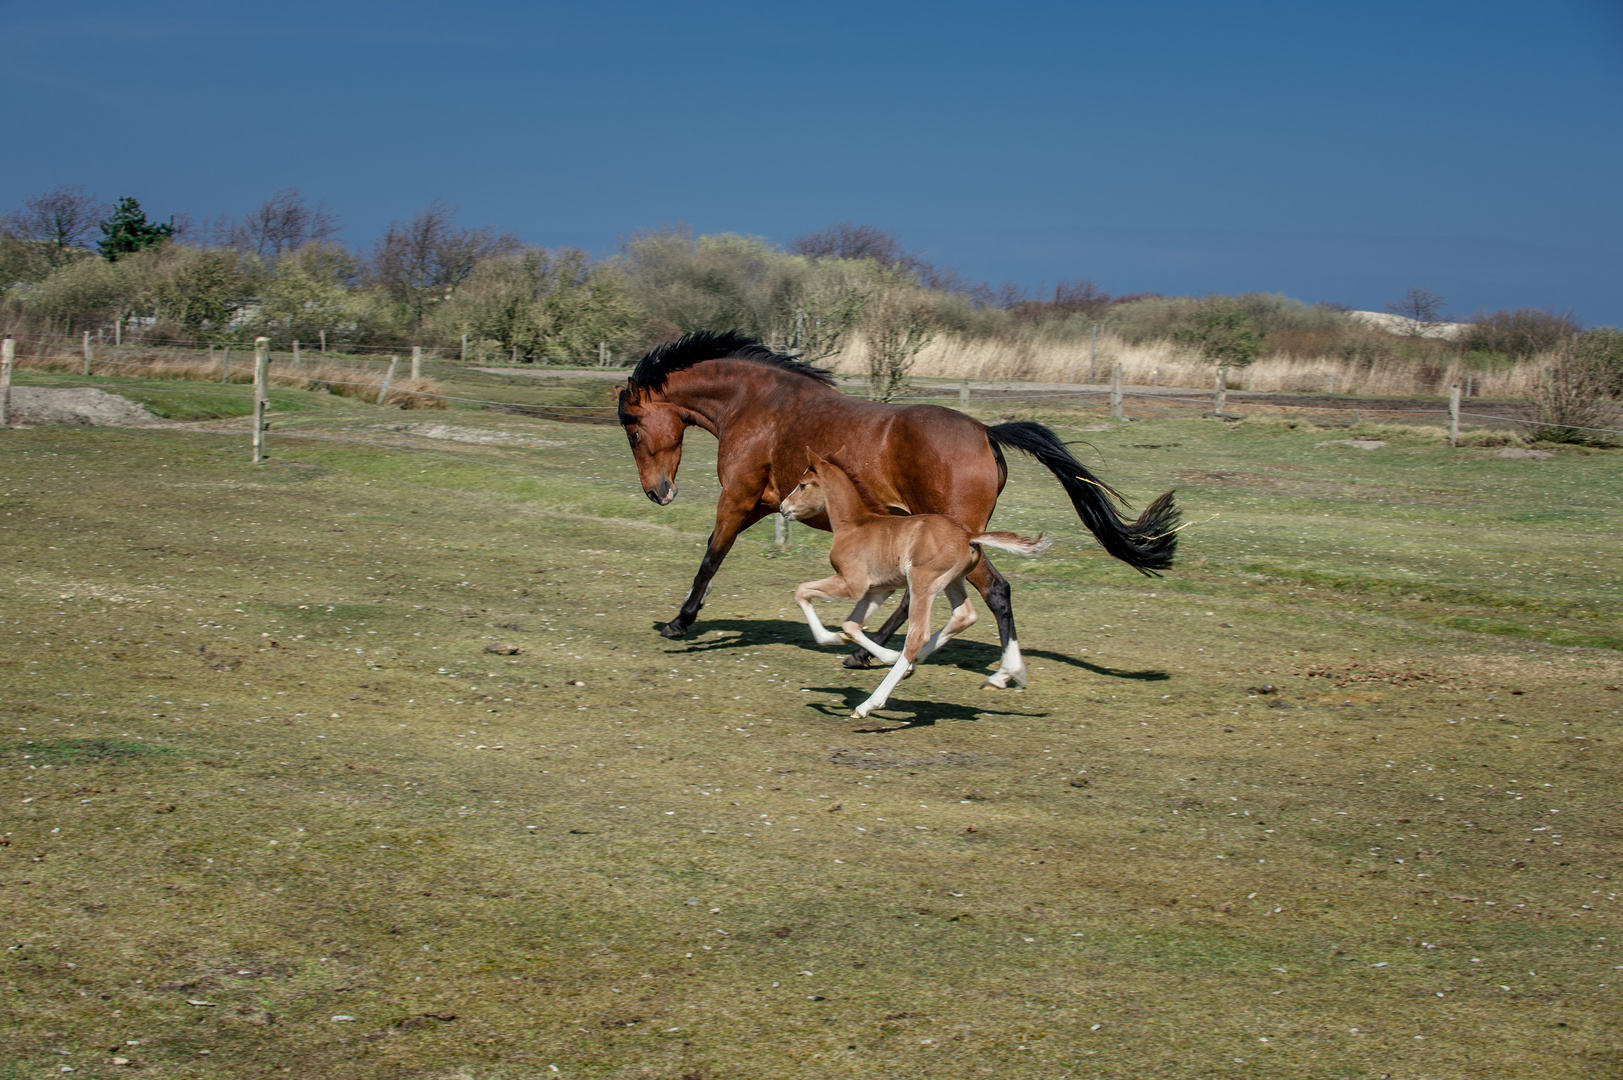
x,y
898,323
1421,310
60,218
846,240
424,260
280,224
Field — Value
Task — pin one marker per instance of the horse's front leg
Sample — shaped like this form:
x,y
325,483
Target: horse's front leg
x,y
733,516
918,627
832,588
994,587
859,615
860,657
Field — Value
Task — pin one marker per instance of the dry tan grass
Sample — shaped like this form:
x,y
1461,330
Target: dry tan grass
x,y
1164,364
344,380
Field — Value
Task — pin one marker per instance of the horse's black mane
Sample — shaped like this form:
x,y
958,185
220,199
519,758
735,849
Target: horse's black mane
x,y
702,345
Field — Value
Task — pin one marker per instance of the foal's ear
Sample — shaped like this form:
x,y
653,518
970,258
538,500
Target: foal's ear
x,y
814,459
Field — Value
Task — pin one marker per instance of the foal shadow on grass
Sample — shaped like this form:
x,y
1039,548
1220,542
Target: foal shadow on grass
x,y
925,713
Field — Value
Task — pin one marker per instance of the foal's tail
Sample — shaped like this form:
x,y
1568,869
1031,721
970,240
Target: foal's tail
x,y
1013,542
1147,544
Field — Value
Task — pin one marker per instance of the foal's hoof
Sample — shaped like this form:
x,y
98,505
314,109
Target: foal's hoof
x,y
673,630
857,660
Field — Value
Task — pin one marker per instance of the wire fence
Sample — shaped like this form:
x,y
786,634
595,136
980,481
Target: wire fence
x,y
1249,402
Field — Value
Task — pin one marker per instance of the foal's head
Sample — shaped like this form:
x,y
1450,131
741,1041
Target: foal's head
x,y
654,429
807,499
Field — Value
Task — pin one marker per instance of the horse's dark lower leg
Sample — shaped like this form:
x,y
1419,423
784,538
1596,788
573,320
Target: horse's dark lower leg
x,y
860,658
731,520
997,596
678,627
994,588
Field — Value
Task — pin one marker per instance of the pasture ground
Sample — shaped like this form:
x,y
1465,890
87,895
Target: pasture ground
x,y
1337,798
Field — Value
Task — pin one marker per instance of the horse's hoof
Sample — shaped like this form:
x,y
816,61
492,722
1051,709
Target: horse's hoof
x,y
856,660
673,630
991,683
847,638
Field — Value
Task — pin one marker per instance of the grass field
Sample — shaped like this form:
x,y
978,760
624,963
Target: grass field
x,y
1339,797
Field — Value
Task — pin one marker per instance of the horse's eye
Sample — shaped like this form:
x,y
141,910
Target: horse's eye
x,y
632,437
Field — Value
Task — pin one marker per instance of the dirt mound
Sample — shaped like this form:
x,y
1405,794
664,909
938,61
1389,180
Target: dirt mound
x,y
34,405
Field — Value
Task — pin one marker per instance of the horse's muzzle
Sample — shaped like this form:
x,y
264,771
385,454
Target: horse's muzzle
x,y
663,495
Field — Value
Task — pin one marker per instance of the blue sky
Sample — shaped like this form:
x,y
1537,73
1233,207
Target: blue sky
x,y
1325,151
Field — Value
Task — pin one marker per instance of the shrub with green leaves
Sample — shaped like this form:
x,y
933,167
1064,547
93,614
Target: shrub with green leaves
x,y
1222,331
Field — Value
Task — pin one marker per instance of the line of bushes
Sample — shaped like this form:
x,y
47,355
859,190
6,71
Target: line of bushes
x,y
846,289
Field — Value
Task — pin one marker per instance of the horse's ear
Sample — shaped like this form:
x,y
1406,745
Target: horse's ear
x,y
813,459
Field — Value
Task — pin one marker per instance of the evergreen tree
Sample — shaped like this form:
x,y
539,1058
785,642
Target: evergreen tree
x,y
128,230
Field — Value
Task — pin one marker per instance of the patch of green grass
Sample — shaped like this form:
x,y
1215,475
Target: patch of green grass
x,y
61,752
1273,795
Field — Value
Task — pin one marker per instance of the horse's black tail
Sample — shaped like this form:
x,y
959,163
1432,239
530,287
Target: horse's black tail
x,y
1147,544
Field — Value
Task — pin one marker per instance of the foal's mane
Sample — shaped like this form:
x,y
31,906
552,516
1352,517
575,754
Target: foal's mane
x,y
865,494
703,345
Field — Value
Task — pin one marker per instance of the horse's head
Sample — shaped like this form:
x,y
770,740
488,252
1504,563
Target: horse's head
x,y
807,500
654,429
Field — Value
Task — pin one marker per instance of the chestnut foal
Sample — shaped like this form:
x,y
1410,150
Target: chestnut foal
x,y
876,553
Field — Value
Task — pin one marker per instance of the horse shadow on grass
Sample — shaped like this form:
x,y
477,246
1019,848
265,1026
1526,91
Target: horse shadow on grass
x,y
972,656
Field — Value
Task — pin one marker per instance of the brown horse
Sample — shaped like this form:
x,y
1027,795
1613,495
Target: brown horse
x,y
875,553
766,410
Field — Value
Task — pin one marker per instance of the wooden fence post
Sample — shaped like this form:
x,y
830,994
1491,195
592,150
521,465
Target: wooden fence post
x,y
118,331
8,356
464,348
261,400
388,377
225,365
87,352
1220,394
1115,391
963,394
295,350
1454,415
780,532
1093,355
416,361
324,341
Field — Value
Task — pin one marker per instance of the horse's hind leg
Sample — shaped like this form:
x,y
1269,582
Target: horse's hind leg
x,y
962,618
994,588
860,657
918,614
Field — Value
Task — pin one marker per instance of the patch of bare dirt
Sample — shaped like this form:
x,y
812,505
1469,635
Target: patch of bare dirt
x,y
32,406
